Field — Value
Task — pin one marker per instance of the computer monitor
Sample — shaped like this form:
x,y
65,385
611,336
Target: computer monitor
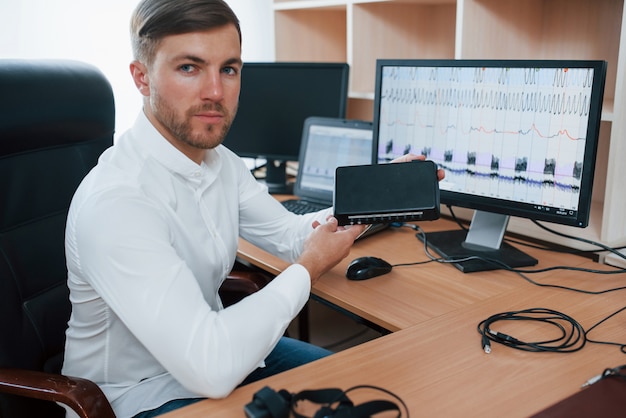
x,y
514,137
275,99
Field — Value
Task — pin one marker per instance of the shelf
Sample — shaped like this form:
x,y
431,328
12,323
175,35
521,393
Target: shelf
x,y
544,29
607,110
417,30
311,35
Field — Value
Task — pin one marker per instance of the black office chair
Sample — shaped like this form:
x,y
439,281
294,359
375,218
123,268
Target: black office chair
x,y
56,118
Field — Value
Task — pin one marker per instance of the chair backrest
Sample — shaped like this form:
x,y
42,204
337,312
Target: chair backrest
x,y
56,118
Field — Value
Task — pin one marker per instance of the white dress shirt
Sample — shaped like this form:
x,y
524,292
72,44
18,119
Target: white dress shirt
x,y
150,237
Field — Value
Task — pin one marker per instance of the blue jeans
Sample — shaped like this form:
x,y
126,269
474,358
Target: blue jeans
x,y
287,354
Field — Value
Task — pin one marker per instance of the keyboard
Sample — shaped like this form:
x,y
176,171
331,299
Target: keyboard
x,y
302,207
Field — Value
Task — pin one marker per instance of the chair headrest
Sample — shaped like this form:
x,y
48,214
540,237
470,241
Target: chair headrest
x,y
51,102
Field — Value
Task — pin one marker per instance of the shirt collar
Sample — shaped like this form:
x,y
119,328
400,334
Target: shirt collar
x,y
159,148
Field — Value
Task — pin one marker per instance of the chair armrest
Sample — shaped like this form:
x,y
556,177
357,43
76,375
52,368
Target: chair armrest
x,y
82,395
254,279
241,283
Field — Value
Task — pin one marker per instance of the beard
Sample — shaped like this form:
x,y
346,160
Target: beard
x,y
180,127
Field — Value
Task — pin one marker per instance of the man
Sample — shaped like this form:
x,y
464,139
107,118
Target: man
x,y
153,229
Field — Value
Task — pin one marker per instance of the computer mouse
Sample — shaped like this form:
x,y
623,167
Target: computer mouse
x,y
363,268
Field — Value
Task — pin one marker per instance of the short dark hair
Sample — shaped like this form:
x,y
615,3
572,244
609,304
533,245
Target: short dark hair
x,y
153,20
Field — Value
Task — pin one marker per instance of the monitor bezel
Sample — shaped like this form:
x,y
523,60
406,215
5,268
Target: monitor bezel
x,y
508,207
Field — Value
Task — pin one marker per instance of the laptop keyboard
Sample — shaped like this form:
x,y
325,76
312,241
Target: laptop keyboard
x,y
302,207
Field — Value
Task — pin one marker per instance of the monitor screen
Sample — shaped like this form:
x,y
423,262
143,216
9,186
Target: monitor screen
x,y
330,143
515,138
275,100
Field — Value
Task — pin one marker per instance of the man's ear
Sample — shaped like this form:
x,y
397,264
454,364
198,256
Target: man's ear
x,y
139,72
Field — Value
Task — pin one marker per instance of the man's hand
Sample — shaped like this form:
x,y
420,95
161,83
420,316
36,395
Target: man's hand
x,y
412,157
327,245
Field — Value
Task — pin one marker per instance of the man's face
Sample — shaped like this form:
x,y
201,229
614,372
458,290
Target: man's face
x,y
192,88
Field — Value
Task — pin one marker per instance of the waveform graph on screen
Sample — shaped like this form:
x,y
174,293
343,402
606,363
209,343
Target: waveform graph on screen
x,y
507,133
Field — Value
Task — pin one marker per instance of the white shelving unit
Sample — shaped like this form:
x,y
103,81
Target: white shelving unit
x,y
361,31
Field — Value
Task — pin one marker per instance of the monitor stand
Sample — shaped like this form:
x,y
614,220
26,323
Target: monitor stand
x,y
276,177
484,240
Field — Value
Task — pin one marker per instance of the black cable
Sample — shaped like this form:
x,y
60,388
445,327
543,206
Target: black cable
x,y
388,392
345,407
457,220
572,335
601,246
620,345
586,241
522,272
415,228
572,338
615,371
577,330
503,266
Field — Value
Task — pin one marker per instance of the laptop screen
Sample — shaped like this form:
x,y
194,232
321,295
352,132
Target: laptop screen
x,y
329,143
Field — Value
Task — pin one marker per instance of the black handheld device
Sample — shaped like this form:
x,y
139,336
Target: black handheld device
x,y
385,193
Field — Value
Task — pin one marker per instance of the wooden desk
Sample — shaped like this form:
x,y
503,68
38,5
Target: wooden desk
x,y
438,367
408,295
435,361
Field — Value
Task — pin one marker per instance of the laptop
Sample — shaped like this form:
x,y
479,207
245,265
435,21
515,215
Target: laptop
x,y
327,143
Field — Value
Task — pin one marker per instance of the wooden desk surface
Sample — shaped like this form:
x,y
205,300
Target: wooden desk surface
x,y
438,367
408,295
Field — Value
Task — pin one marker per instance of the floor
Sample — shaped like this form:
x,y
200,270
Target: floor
x,y
333,330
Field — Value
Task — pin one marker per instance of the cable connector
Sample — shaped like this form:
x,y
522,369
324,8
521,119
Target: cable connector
x,y
616,371
593,380
504,337
486,345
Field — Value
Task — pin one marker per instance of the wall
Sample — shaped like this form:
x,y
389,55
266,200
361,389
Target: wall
x,y
97,32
